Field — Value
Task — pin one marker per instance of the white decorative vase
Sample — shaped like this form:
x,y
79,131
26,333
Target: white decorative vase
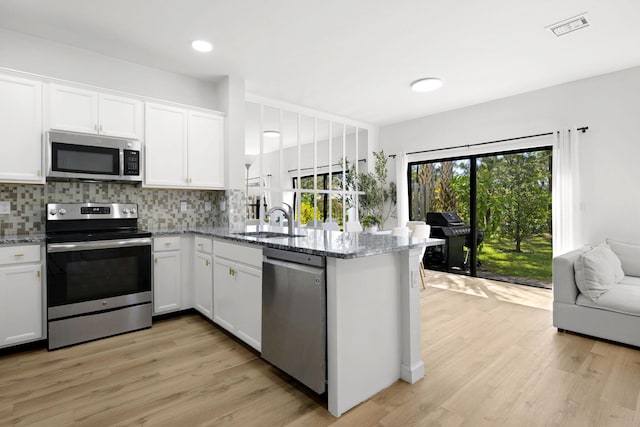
x,y
372,229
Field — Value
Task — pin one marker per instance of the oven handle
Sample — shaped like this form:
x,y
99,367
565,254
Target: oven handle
x,y
98,244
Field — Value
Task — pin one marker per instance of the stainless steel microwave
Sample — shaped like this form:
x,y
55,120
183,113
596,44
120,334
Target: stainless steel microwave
x,y
92,157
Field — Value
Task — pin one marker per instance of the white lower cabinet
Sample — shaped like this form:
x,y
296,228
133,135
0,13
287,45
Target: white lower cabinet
x,y
167,277
21,295
237,290
203,276
220,279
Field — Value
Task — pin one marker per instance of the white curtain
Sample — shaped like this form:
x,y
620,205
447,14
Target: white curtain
x,y
402,189
566,192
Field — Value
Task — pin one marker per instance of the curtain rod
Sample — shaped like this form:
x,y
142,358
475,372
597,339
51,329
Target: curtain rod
x,y
325,166
582,129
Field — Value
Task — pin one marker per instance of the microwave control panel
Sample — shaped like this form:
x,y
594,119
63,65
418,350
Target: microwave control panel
x,y
131,162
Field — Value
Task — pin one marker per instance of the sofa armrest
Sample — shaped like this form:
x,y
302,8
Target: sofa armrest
x,y
564,282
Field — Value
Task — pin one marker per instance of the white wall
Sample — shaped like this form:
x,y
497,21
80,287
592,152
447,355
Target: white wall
x,y
231,98
39,56
609,151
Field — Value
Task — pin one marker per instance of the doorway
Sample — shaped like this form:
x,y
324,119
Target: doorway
x,y
504,199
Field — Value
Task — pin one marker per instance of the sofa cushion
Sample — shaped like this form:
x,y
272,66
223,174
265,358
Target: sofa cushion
x,y
629,255
597,271
623,298
631,280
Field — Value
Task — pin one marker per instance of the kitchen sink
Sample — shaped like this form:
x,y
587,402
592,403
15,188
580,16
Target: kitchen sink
x,y
266,234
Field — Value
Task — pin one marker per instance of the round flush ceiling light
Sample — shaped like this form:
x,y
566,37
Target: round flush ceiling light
x,y
202,46
426,85
271,133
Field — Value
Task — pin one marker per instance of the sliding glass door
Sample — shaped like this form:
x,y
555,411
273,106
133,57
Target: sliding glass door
x,y
441,186
514,211
504,200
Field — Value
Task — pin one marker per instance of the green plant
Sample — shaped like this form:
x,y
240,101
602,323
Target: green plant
x,y
379,198
370,221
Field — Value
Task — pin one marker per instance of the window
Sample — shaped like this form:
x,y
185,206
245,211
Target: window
x,y
327,202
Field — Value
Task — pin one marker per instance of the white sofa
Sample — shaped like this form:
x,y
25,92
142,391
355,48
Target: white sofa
x,y
615,315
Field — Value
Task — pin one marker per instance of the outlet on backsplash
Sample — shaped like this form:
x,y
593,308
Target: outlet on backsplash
x,y
207,206
183,206
5,208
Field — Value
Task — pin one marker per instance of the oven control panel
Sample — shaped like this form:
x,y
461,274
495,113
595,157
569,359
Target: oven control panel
x,y
100,210
74,211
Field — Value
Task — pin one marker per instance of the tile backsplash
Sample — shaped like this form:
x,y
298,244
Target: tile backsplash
x,y
158,208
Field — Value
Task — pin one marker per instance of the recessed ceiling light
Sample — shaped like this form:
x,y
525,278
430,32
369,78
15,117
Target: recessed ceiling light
x,y
202,46
271,133
426,85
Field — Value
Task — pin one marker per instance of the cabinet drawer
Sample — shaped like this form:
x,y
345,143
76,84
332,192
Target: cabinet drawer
x,y
166,243
244,254
203,245
19,254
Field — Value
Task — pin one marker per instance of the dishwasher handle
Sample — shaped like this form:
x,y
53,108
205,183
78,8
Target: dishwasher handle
x,y
293,265
294,257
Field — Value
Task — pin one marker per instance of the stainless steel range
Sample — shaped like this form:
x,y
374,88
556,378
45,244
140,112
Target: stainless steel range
x,y
98,272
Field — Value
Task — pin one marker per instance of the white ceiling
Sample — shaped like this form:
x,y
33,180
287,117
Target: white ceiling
x,y
352,58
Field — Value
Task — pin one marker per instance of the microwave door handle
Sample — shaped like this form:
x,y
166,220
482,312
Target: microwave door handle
x,y
98,244
121,171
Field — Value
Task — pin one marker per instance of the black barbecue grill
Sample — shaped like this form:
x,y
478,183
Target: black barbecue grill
x,y
447,226
457,235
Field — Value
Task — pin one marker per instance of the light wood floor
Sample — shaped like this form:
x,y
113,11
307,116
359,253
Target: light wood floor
x,y
491,355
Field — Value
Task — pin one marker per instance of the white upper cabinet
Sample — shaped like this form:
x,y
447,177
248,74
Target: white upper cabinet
x,y
166,146
21,130
119,116
206,150
87,111
184,148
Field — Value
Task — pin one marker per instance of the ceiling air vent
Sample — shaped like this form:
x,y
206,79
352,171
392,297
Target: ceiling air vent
x,y
569,25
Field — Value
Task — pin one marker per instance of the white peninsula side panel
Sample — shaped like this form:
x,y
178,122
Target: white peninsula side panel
x,y
373,326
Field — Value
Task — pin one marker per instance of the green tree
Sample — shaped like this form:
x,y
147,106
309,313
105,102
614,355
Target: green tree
x,y
523,197
446,195
487,205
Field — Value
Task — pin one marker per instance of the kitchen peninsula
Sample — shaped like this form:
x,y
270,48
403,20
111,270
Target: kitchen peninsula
x,y
373,306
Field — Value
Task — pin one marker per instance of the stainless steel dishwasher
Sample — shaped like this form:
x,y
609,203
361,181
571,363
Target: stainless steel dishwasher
x,y
294,315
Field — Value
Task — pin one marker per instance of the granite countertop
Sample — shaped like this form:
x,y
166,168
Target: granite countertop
x,y
20,239
334,244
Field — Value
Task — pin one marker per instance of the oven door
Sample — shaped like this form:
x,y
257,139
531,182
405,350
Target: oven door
x,y
91,276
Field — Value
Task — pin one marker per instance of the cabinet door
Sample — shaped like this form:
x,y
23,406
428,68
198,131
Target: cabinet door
x,y
249,305
204,284
20,133
206,150
224,291
73,109
120,116
165,135
166,282
21,304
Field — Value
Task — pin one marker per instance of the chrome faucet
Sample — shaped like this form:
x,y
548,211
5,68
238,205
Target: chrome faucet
x,y
288,214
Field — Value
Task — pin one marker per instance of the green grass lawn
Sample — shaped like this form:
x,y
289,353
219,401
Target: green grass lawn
x,y
534,261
